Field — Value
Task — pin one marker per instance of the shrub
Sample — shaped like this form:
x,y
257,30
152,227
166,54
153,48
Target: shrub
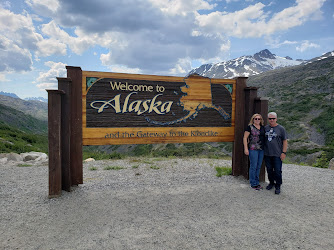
x,y
223,171
322,161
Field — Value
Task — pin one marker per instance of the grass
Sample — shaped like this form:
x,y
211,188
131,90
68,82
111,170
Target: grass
x,y
113,168
154,167
93,168
223,171
147,162
24,165
100,155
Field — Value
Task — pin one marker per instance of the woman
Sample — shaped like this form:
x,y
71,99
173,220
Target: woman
x,y
254,138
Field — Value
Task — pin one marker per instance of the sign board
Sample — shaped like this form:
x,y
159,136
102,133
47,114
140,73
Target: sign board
x,y
141,109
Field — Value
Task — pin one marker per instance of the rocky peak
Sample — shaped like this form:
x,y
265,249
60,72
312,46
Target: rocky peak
x,y
263,55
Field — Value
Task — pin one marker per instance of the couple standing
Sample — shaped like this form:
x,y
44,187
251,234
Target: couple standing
x,y
269,142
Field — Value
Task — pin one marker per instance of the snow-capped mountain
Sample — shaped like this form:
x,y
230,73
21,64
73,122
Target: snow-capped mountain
x,y
323,56
245,65
40,99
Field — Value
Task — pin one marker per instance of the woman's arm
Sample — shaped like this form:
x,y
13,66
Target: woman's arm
x,y
246,135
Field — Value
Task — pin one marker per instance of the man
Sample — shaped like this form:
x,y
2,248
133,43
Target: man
x,y
275,151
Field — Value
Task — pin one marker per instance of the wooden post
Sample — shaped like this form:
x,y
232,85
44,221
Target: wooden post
x,y
239,159
261,107
64,85
54,134
75,74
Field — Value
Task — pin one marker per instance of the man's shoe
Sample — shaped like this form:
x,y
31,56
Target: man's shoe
x,y
277,191
270,186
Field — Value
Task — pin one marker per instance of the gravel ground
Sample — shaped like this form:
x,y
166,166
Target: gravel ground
x,y
165,204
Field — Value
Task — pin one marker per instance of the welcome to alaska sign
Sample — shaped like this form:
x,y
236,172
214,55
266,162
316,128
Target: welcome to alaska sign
x,y
101,108
141,109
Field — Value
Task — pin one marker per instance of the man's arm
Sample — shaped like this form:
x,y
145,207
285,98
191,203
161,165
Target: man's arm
x,y
285,148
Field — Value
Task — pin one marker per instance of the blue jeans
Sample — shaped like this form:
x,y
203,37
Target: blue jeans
x,y
255,162
274,170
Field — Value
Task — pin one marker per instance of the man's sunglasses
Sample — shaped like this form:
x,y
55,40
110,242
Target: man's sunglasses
x,y
271,118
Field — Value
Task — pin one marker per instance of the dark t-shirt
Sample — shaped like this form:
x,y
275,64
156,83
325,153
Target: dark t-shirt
x,y
274,140
256,137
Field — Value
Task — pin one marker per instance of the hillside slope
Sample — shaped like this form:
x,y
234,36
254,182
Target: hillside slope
x,y
18,119
36,109
20,132
303,97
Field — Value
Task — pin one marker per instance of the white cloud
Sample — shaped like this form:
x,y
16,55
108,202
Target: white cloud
x,y
13,58
45,6
276,43
59,40
306,45
230,1
252,21
182,67
239,24
17,39
50,85
48,79
50,47
147,36
177,7
3,77
150,35
124,69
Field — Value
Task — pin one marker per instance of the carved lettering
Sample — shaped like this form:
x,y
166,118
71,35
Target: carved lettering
x,y
137,106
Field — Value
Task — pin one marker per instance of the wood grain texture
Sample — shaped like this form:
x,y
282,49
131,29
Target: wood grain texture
x,y
201,103
75,74
54,137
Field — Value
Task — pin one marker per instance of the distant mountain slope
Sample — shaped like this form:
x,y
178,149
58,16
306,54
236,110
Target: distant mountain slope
x,y
36,109
245,66
17,119
313,78
9,94
20,131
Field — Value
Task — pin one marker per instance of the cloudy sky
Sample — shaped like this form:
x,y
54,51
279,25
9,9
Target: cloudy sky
x,y
162,37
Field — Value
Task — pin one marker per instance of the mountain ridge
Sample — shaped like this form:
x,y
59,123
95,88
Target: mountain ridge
x,y
9,94
41,99
258,63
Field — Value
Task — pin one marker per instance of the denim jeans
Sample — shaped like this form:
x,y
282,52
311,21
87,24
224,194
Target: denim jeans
x,y
274,170
255,162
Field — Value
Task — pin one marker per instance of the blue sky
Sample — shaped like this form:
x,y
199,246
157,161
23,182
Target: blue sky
x,y
161,37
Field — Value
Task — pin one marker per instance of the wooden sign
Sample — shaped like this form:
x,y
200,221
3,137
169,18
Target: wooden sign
x,y
142,109
100,108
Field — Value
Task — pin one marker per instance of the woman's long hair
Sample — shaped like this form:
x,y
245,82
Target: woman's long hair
x,y
252,119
